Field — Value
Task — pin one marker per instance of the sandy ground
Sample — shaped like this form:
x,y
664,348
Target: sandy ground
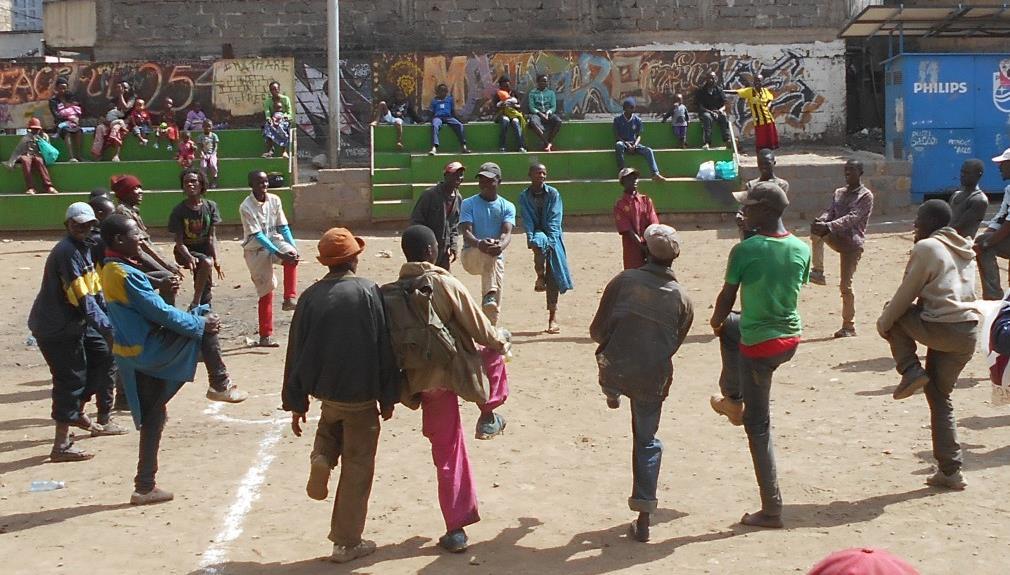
x,y
553,489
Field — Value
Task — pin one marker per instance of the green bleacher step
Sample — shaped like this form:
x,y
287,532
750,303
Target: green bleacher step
x,y
386,210
382,192
391,176
600,164
45,211
574,135
234,143
391,160
154,174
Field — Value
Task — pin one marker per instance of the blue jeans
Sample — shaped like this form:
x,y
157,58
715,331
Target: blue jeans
x,y
750,380
647,455
504,123
456,125
644,151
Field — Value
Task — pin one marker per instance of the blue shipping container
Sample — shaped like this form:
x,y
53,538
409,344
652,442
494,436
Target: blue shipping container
x,y
942,109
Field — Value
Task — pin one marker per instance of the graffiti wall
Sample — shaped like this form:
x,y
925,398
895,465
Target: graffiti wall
x,y
587,83
312,108
230,91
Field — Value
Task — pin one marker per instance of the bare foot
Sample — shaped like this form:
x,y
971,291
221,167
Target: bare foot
x,y
760,519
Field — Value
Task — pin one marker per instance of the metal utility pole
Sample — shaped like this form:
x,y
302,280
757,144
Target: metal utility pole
x,y
333,70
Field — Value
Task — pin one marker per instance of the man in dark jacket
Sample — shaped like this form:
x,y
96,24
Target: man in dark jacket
x,y
438,209
69,322
712,109
642,320
339,352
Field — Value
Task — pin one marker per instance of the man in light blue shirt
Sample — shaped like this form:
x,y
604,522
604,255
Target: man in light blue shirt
x,y
995,241
486,221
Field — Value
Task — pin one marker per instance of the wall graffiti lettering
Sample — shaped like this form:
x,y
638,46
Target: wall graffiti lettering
x,y
231,91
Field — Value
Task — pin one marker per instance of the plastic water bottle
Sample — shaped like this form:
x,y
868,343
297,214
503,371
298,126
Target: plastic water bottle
x,y
30,341
46,485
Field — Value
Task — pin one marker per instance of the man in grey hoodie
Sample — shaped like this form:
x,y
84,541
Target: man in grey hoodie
x,y
941,275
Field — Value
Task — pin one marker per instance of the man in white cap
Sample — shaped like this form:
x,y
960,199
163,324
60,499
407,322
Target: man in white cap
x,y
438,209
69,322
486,221
642,320
994,240
768,269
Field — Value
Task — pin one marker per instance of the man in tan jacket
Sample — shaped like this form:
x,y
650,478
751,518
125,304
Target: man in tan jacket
x,y
437,388
941,275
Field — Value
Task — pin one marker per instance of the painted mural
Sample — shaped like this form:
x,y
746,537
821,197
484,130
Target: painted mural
x,y
231,91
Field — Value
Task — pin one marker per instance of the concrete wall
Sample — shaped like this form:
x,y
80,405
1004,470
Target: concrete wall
x,y
343,197
183,28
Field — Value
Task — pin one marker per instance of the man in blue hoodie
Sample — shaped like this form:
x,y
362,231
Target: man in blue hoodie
x,y
542,215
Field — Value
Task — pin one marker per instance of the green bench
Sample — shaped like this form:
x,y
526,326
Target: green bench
x,y
583,167
239,154
238,143
46,211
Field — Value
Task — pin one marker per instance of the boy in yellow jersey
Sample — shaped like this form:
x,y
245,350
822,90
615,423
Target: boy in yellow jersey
x,y
760,99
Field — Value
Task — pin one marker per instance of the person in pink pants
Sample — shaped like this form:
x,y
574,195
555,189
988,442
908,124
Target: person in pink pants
x,y
476,374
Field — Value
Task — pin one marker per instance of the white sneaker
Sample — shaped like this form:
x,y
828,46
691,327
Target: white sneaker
x,y
432,151
705,147
156,495
230,395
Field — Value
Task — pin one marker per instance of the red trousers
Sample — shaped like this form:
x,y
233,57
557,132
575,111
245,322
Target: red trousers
x,y
266,303
766,136
29,162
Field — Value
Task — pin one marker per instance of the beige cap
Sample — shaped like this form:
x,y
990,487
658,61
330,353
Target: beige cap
x,y
663,241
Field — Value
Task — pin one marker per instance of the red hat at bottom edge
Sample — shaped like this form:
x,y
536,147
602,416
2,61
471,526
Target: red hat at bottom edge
x,y
863,561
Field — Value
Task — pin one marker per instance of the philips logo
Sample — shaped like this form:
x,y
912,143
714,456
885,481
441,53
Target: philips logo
x,y
940,88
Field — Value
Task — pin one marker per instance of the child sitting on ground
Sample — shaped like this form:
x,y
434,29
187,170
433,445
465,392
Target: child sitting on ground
x,y
680,119
140,121
208,153
167,129
187,150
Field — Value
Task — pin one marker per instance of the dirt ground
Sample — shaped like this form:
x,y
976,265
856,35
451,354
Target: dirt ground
x,y
553,489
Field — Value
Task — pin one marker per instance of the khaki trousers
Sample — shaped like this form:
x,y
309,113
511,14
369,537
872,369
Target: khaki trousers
x,y
349,431
849,262
949,348
491,270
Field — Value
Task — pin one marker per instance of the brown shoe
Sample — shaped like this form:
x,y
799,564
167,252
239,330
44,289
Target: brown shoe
x,y
914,379
319,478
726,406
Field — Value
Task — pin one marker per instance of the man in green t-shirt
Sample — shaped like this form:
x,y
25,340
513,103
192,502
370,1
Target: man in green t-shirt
x,y
768,268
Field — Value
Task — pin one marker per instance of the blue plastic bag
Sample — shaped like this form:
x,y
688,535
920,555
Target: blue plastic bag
x,y
725,170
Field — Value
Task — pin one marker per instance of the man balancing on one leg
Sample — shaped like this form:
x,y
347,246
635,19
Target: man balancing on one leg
x,y
768,269
935,306
69,322
267,240
766,173
156,347
843,227
542,215
642,320
339,352
438,380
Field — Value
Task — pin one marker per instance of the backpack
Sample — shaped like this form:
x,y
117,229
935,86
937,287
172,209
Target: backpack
x,y
419,337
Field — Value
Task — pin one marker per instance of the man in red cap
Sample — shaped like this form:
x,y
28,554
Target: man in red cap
x,y
28,155
858,561
339,352
163,274
633,212
438,209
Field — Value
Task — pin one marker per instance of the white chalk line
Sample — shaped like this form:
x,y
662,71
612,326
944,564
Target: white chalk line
x,y
248,492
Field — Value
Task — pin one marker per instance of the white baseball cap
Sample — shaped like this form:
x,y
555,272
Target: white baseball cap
x,y
81,213
1002,157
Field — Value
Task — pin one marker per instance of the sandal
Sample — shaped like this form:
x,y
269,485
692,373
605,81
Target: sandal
x,y
68,454
30,192
52,190
267,155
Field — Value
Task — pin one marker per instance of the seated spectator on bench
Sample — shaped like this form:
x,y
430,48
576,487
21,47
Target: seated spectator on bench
x,y
112,132
167,128
443,111
628,129
712,109
28,155
67,112
277,129
400,111
509,114
542,104
140,121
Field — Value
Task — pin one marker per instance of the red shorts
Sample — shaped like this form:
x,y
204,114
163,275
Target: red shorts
x,y
766,136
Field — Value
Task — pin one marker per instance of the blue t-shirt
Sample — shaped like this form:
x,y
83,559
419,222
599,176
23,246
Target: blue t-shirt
x,y
628,130
487,217
442,108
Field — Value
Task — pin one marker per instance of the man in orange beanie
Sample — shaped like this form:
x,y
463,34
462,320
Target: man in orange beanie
x,y
163,274
339,352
